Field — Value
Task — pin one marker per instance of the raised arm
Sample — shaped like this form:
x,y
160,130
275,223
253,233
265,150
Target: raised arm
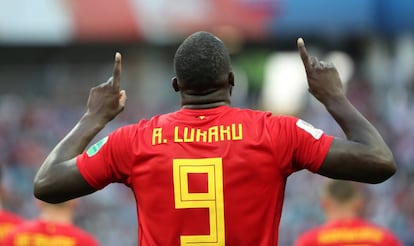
x,y
58,178
363,156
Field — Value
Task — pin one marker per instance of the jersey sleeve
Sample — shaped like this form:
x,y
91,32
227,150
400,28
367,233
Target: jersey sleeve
x,y
391,239
306,239
305,145
108,160
91,241
88,239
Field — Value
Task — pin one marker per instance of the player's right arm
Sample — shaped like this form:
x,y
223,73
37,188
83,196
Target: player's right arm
x,y
363,156
58,178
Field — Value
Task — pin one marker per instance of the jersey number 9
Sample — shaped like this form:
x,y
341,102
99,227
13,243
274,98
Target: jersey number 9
x,y
212,199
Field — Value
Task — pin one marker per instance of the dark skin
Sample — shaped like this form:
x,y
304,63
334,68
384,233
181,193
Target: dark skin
x,y
362,157
219,95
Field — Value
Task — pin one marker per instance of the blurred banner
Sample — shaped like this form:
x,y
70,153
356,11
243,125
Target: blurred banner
x,y
165,21
63,21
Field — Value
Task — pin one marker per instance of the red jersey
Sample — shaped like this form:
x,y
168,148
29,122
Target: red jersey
x,y
8,221
349,232
43,233
208,177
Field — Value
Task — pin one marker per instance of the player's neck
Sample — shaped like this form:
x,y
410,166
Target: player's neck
x,y
340,215
211,100
205,106
59,217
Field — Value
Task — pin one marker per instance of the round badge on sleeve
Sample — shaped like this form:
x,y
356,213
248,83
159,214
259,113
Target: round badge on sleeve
x,y
96,147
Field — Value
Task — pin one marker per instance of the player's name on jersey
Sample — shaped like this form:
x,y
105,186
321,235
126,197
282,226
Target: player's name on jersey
x,y
350,235
219,133
43,239
5,228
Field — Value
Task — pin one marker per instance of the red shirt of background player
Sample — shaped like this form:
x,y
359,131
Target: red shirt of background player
x,y
348,232
39,232
207,175
8,221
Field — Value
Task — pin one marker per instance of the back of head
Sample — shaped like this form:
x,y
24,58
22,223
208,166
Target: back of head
x,y
342,199
341,191
201,62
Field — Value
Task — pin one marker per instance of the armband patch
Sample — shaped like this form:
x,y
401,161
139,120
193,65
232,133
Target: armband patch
x,y
96,147
315,132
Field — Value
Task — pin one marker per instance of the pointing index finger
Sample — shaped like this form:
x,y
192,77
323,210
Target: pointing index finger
x,y
116,73
304,54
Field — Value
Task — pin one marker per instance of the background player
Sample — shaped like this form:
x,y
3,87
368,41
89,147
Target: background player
x,y
8,220
53,227
210,173
343,204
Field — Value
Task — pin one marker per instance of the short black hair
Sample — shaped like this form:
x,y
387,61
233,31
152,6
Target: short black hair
x,y
342,191
201,59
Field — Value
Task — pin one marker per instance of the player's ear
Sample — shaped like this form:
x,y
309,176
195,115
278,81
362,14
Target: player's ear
x,y
324,203
230,79
174,83
358,205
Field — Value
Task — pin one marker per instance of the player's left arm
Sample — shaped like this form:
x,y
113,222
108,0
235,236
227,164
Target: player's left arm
x,y
58,178
363,156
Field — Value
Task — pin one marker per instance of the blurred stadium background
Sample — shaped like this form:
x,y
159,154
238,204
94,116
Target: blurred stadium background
x,y
53,51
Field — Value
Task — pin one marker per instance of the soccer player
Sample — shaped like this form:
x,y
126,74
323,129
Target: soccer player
x,y
209,173
342,202
8,220
53,227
